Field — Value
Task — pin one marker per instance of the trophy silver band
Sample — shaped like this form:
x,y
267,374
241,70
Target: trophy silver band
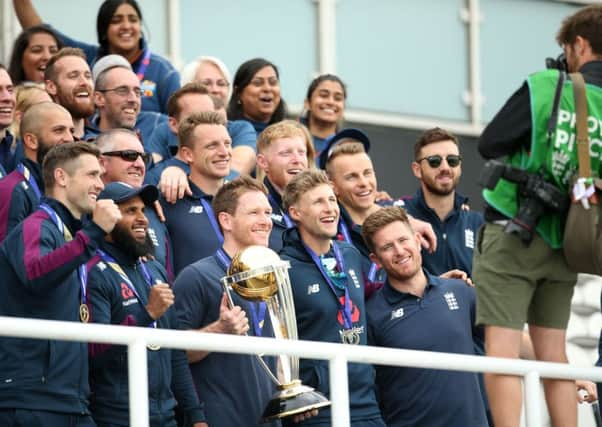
x,y
258,274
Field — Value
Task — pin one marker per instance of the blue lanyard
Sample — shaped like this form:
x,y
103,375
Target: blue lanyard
x,y
212,220
344,309
82,273
30,179
143,65
117,268
287,221
257,312
345,232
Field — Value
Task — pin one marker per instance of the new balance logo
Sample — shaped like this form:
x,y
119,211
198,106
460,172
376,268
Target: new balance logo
x,y
196,210
451,301
396,314
153,236
313,289
469,238
356,282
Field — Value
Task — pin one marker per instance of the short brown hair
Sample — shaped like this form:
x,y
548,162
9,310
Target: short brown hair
x,y
64,156
188,125
348,148
173,103
587,23
431,136
34,117
226,198
51,73
380,219
302,183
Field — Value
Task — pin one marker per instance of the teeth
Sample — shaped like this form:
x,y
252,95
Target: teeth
x,y
294,171
6,110
129,111
365,193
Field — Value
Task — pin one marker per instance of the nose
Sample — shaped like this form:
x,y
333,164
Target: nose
x,y
46,54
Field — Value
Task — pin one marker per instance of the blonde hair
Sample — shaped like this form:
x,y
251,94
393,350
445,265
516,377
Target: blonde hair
x,y
25,96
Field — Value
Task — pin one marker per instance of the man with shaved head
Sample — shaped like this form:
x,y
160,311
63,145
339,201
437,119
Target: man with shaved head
x,y
69,83
43,126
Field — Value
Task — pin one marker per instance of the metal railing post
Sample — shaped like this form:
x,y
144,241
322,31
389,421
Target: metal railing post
x,y
339,391
138,383
532,399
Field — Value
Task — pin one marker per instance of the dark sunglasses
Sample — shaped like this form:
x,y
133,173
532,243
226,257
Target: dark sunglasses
x,y
453,160
129,155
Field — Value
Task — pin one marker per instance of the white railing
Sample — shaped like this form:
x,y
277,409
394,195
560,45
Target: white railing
x,y
338,356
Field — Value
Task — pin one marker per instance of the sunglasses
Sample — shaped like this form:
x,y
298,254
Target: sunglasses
x,y
129,155
453,160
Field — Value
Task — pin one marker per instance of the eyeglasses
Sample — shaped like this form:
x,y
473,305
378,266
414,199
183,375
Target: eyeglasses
x,y
453,160
129,155
218,83
123,91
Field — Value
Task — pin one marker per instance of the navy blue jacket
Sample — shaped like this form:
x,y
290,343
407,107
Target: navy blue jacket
x,y
456,234
112,301
39,271
318,319
234,387
190,228
279,219
160,77
442,320
7,153
2,171
157,231
18,199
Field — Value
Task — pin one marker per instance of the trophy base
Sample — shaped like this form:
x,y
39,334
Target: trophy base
x,y
292,399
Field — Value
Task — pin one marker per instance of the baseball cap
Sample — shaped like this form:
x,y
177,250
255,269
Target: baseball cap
x,y
122,192
107,62
349,133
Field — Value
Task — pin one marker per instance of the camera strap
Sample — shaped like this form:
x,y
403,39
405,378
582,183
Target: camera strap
x,y
582,134
554,115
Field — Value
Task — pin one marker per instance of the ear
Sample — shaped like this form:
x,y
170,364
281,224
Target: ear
x,y
99,99
374,259
262,162
60,177
173,124
51,88
186,154
294,213
30,141
416,170
225,221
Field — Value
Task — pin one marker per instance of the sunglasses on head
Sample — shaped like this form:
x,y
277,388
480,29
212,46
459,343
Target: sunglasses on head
x,y
453,160
129,155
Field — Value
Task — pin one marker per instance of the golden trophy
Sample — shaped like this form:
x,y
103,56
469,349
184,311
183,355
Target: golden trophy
x,y
257,274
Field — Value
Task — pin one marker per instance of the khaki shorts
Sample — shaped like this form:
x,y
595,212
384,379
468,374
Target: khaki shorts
x,y
517,284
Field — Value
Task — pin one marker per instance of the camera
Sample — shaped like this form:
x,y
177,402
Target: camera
x,y
557,64
536,196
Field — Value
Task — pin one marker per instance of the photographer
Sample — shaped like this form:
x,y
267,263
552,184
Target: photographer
x,y
518,267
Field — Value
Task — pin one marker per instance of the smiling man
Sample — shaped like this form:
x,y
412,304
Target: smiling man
x,y
118,99
328,289
45,382
206,146
43,126
234,387
284,150
125,289
418,311
7,110
69,83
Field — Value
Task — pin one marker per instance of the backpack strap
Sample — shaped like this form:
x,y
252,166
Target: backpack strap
x,y
585,170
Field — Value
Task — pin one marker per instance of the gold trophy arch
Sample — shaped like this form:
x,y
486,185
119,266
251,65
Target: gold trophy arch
x,y
258,274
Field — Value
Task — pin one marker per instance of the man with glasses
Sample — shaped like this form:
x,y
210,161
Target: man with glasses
x,y
118,99
43,126
438,166
124,160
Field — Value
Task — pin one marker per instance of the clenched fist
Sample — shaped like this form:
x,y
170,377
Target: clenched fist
x,y
106,214
232,320
161,297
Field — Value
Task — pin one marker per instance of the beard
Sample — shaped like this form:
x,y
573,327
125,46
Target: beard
x,y
440,190
123,238
78,110
43,149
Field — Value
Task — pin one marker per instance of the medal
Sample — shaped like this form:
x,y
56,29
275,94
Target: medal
x,y
84,313
349,336
154,347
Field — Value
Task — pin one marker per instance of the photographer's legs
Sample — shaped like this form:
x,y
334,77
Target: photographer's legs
x,y
549,346
504,391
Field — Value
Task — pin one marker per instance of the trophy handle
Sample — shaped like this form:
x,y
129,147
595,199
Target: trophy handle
x,y
264,365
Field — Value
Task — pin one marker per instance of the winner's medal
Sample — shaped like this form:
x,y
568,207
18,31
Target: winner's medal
x,y
154,347
350,336
84,313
